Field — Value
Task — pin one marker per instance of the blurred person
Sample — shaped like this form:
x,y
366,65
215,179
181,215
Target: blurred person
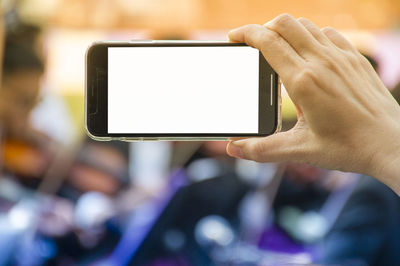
x,y
100,167
21,32
51,116
342,104
22,72
94,184
1,40
26,151
366,231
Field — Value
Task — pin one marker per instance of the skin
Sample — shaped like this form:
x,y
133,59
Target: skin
x,y
347,118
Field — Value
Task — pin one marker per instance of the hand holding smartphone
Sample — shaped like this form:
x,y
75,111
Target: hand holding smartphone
x,y
179,90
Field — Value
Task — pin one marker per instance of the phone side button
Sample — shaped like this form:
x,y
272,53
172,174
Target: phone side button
x,y
271,96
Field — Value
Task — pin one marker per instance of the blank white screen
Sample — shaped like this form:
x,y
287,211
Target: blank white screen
x,y
183,89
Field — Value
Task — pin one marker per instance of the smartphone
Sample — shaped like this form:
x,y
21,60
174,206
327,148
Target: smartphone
x,y
179,90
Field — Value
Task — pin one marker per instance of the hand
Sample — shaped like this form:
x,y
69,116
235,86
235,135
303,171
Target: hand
x,y
347,119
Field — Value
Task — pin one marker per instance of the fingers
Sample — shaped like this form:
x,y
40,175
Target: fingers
x,y
315,31
338,39
294,33
284,146
279,54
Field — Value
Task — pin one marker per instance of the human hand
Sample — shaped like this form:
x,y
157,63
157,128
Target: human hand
x,y
347,119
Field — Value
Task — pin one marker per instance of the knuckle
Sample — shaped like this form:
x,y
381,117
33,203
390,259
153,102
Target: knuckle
x,y
269,37
353,59
329,59
254,34
274,37
305,77
303,83
304,21
257,36
328,30
252,27
282,20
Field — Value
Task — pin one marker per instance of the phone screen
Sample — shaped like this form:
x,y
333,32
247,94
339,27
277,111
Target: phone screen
x,y
162,90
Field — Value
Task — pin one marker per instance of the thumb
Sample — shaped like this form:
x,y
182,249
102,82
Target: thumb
x,y
284,146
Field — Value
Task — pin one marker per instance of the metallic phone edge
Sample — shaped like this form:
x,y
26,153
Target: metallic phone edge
x,y
138,139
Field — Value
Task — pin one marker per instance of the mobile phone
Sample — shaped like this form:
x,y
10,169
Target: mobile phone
x,y
179,90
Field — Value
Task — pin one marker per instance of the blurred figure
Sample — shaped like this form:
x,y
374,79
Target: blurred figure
x,y
367,229
100,167
93,186
20,32
1,40
22,71
26,151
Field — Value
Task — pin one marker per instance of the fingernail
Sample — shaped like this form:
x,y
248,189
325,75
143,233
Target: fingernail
x,y
235,151
239,141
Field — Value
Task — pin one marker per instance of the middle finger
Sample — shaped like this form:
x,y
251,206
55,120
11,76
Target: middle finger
x,y
295,34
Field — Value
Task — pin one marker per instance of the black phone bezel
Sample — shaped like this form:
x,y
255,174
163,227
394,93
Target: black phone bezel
x,y
96,93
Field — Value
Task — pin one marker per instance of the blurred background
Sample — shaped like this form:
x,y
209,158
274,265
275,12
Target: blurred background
x,y
68,200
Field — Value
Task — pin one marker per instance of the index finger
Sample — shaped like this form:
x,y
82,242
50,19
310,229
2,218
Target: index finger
x,y
279,54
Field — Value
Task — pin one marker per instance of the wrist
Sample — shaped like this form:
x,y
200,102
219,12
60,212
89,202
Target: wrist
x,y
390,174
386,168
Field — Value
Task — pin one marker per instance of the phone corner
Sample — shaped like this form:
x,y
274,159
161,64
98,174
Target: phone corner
x,y
93,136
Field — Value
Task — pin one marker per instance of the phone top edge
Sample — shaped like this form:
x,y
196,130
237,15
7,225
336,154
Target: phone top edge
x,y
192,41
118,42
173,139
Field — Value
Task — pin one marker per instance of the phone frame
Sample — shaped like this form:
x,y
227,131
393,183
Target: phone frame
x,y
96,67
